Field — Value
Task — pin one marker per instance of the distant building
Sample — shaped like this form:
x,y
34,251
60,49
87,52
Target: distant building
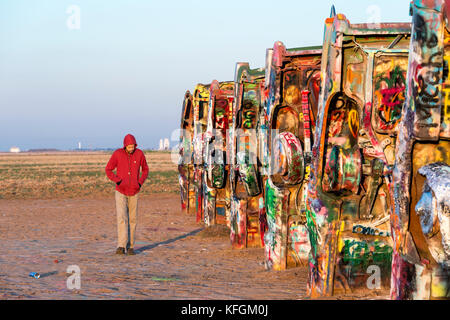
x,y
14,149
166,144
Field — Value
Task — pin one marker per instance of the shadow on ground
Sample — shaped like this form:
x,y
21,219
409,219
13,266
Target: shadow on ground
x,y
154,245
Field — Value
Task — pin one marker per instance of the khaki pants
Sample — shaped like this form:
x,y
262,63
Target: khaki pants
x,y
126,208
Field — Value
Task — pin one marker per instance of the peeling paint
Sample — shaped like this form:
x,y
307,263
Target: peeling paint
x,y
363,83
420,177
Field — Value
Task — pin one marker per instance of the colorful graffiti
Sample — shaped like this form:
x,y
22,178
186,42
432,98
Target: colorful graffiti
x,y
348,199
335,157
356,258
390,84
293,90
420,175
248,224
200,100
186,164
216,183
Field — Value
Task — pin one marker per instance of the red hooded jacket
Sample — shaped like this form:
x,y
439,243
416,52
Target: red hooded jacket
x,y
128,168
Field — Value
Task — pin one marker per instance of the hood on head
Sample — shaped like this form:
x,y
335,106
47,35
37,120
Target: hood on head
x,y
129,139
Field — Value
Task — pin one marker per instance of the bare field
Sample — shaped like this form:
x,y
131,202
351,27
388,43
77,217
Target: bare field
x,y
75,174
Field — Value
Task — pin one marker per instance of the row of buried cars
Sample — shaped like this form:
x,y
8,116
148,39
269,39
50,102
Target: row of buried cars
x,y
334,157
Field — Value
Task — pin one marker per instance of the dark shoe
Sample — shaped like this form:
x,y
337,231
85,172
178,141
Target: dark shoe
x,y
120,250
131,252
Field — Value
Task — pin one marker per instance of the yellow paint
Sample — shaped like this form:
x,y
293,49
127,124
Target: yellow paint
x,y
428,153
226,85
438,290
307,172
439,285
340,241
386,66
340,244
292,95
354,77
447,106
353,122
201,93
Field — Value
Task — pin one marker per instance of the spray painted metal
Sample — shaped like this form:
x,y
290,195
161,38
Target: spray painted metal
x,y
217,199
186,161
421,177
200,101
293,85
247,218
348,218
367,196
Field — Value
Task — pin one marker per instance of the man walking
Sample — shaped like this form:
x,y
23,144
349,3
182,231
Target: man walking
x,y
128,160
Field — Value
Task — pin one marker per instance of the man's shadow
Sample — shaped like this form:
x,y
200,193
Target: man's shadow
x,y
151,246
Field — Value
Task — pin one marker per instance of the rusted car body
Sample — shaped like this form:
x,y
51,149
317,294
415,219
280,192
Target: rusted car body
x,y
200,101
247,202
293,85
348,209
216,178
421,177
186,162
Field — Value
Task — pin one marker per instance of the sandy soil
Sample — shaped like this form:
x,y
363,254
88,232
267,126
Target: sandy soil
x,y
176,258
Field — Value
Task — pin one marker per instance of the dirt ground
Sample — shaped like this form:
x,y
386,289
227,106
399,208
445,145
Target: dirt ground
x,y
176,258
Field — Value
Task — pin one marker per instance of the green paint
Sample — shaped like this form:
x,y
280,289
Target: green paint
x,y
218,175
312,231
359,255
164,279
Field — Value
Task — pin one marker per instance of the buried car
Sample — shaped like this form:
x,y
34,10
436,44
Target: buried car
x,y
348,209
186,163
293,85
247,203
200,101
216,158
421,177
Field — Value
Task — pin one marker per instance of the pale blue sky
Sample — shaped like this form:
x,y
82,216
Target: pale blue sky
x,y
126,69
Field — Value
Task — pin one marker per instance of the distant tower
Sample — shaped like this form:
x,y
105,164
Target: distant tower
x,y
161,145
166,144
79,145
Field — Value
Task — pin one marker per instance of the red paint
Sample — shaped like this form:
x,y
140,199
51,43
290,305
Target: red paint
x,y
305,109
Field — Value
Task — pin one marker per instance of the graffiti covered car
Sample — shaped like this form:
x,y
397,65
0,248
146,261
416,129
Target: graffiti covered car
x,y
293,85
216,158
200,101
186,163
247,202
421,185
348,218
